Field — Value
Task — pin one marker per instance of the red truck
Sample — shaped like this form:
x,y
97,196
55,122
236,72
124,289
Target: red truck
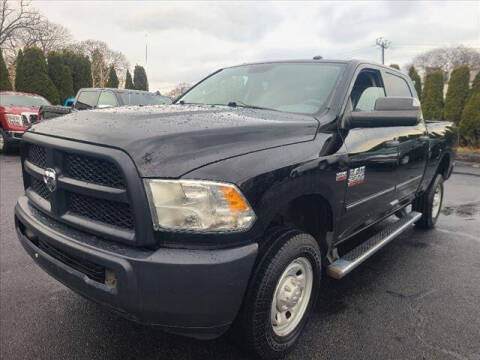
x,y
17,112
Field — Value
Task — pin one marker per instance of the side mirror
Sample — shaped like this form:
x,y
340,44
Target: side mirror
x,y
388,111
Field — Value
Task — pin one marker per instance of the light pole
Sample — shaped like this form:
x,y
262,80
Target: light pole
x,y
384,44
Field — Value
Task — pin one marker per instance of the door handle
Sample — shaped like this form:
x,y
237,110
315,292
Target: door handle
x,y
424,138
391,143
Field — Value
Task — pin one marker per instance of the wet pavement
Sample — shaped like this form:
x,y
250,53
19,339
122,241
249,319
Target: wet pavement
x,y
418,298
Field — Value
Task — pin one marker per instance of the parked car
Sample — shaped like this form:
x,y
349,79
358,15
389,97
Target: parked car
x,y
228,207
100,98
18,110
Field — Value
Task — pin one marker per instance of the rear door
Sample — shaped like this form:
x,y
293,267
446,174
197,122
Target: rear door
x,y
107,99
413,144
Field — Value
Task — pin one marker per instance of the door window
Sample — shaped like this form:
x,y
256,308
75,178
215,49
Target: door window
x,y
396,86
367,89
107,98
86,100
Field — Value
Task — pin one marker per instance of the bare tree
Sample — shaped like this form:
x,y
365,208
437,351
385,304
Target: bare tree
x,y
178,90
447,59
47,36
109,56
15,17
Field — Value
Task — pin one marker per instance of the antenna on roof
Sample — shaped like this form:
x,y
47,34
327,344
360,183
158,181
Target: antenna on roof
x,y
317,57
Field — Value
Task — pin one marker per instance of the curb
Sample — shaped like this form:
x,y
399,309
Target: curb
x,y
472,157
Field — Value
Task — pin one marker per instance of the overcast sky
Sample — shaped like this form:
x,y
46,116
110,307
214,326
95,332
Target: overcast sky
x,y
188,40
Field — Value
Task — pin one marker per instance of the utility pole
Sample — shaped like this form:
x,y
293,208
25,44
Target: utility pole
x,y
384,44
146,49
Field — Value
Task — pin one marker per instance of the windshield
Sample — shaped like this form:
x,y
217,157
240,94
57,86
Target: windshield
x,y
22,100
144,99
292,87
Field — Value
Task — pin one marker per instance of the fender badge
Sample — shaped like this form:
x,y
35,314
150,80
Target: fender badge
x,y
356,176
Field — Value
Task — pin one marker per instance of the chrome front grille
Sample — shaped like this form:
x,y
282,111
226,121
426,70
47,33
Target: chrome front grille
x,y
29,118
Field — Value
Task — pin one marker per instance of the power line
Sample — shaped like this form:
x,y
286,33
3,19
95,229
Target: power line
x,y
384,44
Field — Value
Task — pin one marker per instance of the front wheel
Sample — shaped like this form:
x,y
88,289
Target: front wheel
x,y
281,295
430,203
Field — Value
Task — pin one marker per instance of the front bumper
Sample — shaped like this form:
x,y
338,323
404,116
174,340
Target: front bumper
x,y
190,292
14,137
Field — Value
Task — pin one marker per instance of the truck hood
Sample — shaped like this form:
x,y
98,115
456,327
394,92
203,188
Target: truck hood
x,y
18,109
171,140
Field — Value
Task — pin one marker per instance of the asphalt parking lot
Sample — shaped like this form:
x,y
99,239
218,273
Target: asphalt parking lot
x,y
418,298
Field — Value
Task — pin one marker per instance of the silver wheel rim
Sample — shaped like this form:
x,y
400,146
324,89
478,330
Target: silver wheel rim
x,y
1,142
437,201
291,296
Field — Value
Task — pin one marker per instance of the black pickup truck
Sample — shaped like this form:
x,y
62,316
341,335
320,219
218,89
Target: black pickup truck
x,y
226,208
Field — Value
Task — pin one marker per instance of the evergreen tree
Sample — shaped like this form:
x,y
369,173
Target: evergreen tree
x,y
60,75
457,93
432,97
112,81
37,80
4,80
129,81
475,84
395,66
417,81
99,69
19,71
470,123
140,78
80,68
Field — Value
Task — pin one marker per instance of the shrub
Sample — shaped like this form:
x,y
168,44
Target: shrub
x,y
417,81
470,123
80,68
129,81
36,79
61,76
395,66
112,81
140,78
475,84
432,97
457,93
19,72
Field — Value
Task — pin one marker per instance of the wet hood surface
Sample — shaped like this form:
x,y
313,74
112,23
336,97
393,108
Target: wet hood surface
x,y
171,140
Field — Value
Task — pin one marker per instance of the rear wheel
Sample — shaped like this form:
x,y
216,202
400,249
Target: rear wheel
x,y
281,295
430,203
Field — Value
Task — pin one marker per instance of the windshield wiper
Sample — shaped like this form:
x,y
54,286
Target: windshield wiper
x,y
247,106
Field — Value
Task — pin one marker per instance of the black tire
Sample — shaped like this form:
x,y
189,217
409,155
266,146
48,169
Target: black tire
x,y
424,204
254,328
5,147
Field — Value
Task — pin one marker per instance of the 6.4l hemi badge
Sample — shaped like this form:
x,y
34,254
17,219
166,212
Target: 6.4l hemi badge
x,y
356,176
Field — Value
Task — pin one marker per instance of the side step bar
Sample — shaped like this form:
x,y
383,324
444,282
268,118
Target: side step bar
x,y
341,267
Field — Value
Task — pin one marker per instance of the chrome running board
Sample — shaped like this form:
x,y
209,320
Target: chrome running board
x,y
341,267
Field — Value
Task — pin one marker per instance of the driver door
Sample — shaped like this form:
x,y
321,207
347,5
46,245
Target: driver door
x,y
372,160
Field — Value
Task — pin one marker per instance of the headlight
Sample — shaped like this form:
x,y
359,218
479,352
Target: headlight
x,y
14,120
202,206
